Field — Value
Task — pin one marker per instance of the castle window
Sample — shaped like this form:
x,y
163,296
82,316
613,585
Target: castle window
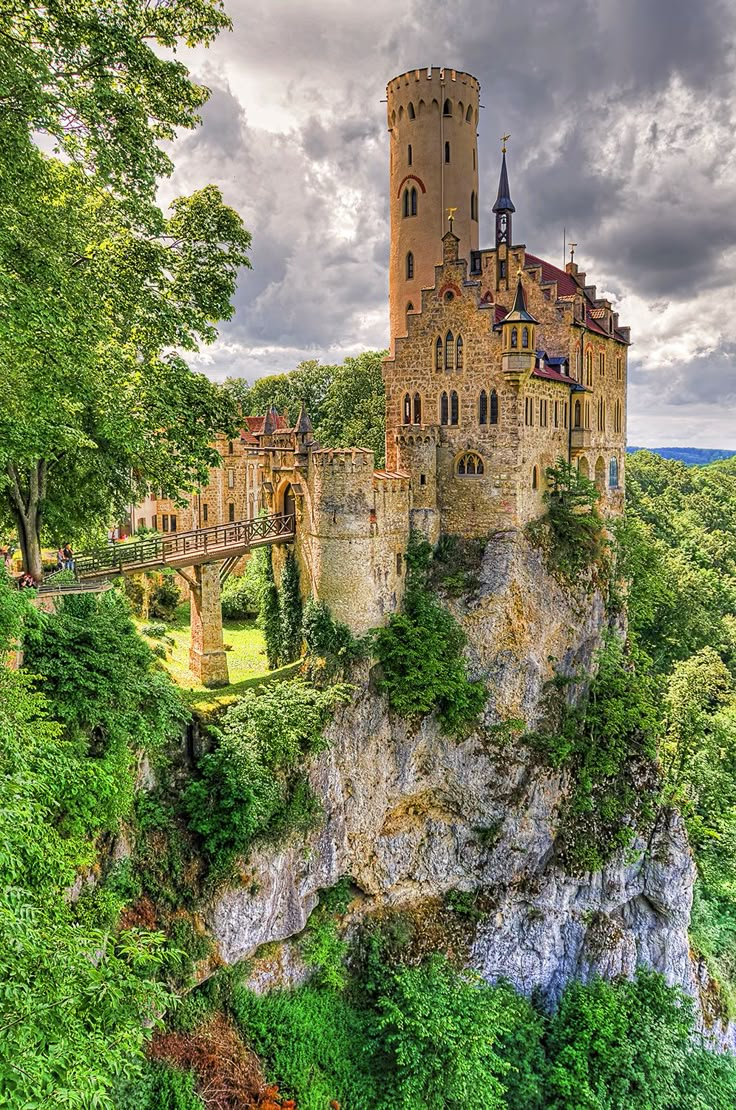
x,y
514,337
473,202
205,514
409,266
602,363
398,562
165,522
407,409
154,523
469,113
543,412
447,109
406,203
613,473
229,447
417,409
617,422
412,113
473,157
535,478
588,367
231,479
444,409
525,337
601,416
502,270
556,414
578,415
447,152
494,407
454,408
172,523
459,353
483,407
449,296
564,415
587,414
422,479
470,465
618,367
409,308
413,201
449,353
230,514
438,354
529,411
408,155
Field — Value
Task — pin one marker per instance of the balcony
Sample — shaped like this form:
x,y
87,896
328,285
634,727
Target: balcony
x,y
580,439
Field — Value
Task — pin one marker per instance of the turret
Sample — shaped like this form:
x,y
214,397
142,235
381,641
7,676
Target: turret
x,y
504,210
518,334
432,123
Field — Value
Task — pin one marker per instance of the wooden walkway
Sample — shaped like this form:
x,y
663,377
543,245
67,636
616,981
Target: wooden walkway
x,y
185,549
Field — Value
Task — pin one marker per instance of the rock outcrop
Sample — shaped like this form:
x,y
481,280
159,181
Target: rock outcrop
x,y
411,813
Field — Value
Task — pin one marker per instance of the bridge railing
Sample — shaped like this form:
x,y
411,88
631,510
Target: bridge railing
x,y
193,546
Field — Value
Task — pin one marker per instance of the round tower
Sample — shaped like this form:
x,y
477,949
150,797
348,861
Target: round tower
x,y
432,123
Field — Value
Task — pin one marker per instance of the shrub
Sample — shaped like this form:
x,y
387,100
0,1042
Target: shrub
x,y
159,1087
154,631
251,783
325,951
270,614
571,532
241,597
291,611
164,597
331,646
420,651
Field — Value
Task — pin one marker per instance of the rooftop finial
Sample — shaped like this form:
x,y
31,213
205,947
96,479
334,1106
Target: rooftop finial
x,y
572,251
504,140
451,216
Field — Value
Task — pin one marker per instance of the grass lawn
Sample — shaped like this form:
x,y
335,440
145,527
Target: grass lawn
x,y
246,660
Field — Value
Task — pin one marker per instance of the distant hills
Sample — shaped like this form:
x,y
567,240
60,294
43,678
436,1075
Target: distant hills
x,y
690,456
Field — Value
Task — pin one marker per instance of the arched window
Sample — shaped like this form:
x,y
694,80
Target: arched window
x,y
447,152
578,416
602,363
417,409
469,113
454,408
483,407
473,205
449,344
494,407
444,409
470,465
438,354
617,422
514,337
412,113
613,473
407,409
619,375
413,201
535,478
230,514
601,416
447,109
588,367
409,266
600,473
408,155
525,337
409,308
406,205
459,353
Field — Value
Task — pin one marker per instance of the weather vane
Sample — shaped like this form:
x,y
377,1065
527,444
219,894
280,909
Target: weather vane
x,y
504,140
572,251
451,216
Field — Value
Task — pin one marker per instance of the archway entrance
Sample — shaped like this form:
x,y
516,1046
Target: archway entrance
x,y
289,501
583,467
600,474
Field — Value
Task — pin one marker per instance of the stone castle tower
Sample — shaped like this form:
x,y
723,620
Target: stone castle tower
x,y
432,123
501,363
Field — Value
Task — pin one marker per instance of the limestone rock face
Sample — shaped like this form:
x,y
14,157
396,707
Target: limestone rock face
x,y
411,813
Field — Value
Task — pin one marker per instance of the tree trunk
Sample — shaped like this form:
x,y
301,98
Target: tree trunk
x,y
26,504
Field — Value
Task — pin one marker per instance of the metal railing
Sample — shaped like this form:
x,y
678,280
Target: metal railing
x,y
184,548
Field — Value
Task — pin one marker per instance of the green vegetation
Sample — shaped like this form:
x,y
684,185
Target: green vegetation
x,y
253,784
571,533
420,652
331,646
346,403
402,1037
290,648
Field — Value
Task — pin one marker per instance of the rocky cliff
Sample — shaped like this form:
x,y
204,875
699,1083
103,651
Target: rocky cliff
x,y
411,814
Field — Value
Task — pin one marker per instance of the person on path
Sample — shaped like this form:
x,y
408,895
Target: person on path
x,y
60,558
68,557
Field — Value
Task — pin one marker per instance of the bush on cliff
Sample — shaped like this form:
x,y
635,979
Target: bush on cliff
x,y
420,652
571,533
252,783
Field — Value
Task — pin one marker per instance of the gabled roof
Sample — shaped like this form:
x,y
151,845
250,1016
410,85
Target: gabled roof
x,y
254,427
567,288
519,314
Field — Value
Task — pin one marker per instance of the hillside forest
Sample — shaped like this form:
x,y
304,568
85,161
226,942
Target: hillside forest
x,y
123,810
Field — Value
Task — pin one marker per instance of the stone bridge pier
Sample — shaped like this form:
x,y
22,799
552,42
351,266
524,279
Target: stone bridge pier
x,y
207,656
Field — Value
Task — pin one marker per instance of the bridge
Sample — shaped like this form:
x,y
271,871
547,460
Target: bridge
x,y
203,557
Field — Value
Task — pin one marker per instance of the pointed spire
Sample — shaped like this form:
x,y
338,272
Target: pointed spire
x,y
519,311
503,200
303,424
270,422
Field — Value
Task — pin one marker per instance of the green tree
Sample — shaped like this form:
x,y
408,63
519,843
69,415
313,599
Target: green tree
x,y
270,615
353,412
291,611
95,405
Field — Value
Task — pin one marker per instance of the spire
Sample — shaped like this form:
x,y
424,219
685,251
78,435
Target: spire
x,y
303,425
503,200
519,311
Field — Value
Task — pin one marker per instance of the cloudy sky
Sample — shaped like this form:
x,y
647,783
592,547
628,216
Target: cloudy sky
x,y
622,121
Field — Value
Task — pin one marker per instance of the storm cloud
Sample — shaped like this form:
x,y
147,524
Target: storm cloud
x,y
622,123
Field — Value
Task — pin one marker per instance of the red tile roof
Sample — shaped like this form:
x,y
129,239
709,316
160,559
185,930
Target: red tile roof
x,y
552,375
567,287
254,425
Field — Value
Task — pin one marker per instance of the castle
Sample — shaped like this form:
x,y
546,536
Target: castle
x,y
500,364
